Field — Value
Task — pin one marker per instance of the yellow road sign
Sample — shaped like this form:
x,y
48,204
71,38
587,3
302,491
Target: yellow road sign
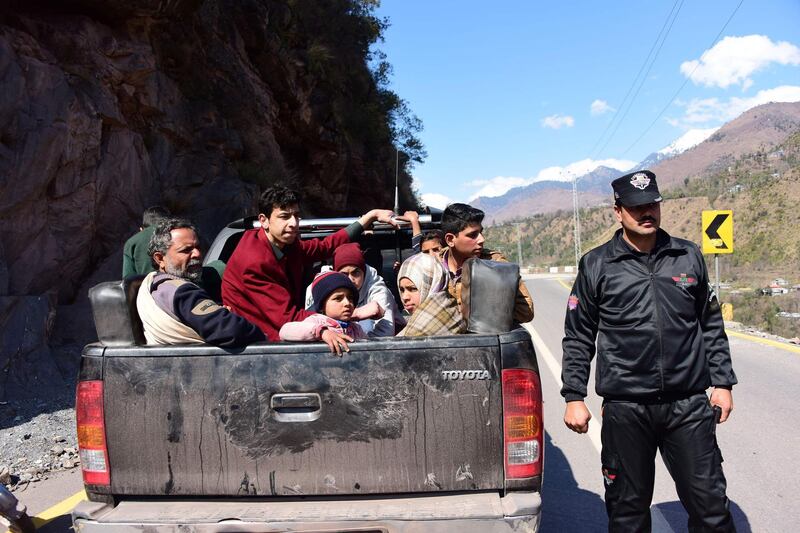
x,y
718,232
727,312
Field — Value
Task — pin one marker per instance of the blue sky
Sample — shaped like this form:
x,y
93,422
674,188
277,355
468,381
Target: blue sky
x,y
511,92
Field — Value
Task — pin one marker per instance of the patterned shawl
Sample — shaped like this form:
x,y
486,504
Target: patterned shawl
x,y
439,314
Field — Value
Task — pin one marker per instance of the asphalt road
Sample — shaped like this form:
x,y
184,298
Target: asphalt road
x,y
760,443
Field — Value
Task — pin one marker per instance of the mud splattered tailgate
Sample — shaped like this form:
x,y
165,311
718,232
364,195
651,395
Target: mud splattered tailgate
x,y
392,416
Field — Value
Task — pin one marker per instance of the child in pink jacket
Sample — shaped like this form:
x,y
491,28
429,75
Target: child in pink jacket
x,y
335,298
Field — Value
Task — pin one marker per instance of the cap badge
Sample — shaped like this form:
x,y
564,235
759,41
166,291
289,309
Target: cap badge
x,y
640,180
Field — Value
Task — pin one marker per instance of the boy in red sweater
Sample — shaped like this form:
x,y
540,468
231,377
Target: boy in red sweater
x,y
263,278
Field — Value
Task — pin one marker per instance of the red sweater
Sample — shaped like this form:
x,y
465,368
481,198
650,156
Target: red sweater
x,y
269,292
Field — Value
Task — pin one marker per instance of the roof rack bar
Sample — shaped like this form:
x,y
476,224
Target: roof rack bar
x,y
427,221
337,223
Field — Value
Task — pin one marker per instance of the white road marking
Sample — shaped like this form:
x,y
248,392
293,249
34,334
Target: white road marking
x,y
544,354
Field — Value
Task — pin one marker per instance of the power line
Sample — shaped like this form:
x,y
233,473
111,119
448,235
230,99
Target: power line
x,y
644,78
689,77
636,78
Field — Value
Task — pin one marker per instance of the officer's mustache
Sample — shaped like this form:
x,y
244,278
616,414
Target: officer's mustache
x,y
647,218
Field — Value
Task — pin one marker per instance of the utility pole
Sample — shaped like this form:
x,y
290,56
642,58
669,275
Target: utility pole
x,y
576,220
397,254
397,182
519,243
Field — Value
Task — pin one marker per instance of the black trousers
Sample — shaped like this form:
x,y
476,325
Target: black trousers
x,y
685,432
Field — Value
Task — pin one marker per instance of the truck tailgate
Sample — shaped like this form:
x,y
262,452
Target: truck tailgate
x,y
391,416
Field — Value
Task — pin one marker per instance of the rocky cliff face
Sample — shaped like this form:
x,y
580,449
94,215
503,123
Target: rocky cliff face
x,y
109,107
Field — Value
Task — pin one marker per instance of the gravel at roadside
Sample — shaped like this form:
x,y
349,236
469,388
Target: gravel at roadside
x,y
37,437
738,326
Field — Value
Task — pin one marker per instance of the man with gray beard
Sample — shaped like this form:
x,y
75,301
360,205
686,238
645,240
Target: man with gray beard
x,y
174,309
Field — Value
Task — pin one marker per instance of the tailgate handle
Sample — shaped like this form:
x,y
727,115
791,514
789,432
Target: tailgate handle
x,y
296,407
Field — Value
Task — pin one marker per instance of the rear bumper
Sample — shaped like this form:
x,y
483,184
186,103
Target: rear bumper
x,y
463,513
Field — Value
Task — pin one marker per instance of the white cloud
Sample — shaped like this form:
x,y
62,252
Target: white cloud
x,y
716,111
734,59
600,107
500,185
558,121
433,199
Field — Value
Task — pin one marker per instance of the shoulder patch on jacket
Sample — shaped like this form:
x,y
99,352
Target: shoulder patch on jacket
x,y
205,307
572,302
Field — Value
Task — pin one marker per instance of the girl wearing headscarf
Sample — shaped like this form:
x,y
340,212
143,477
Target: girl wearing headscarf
x,y
422,282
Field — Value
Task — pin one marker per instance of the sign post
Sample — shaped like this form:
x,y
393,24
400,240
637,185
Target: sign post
x,y
717,237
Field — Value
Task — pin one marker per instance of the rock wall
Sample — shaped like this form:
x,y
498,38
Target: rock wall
x,y
109,107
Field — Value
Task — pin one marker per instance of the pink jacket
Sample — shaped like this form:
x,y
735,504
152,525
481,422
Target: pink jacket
x,y
311,328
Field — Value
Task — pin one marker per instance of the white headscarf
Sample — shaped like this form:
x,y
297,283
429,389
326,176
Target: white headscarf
x,y
425,272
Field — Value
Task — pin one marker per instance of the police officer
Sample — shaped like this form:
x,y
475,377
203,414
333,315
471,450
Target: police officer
x,y
644,299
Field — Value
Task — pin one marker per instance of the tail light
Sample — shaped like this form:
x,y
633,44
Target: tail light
x,y
522,423
92,433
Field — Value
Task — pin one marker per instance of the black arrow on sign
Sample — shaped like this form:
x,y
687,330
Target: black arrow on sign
x,y
713,229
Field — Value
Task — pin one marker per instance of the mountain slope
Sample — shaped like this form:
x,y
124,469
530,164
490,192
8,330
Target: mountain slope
x,y
758,129
688,140
763,193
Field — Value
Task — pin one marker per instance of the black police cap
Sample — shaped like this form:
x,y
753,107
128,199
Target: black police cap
x,y
636,188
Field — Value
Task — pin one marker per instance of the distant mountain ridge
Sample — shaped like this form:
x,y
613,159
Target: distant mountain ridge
x,y
761,188
547,196
696,153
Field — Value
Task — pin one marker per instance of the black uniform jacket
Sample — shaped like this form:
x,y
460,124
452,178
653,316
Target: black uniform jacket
x,y
657,323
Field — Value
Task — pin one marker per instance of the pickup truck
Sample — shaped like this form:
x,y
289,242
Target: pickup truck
x,y
400,434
